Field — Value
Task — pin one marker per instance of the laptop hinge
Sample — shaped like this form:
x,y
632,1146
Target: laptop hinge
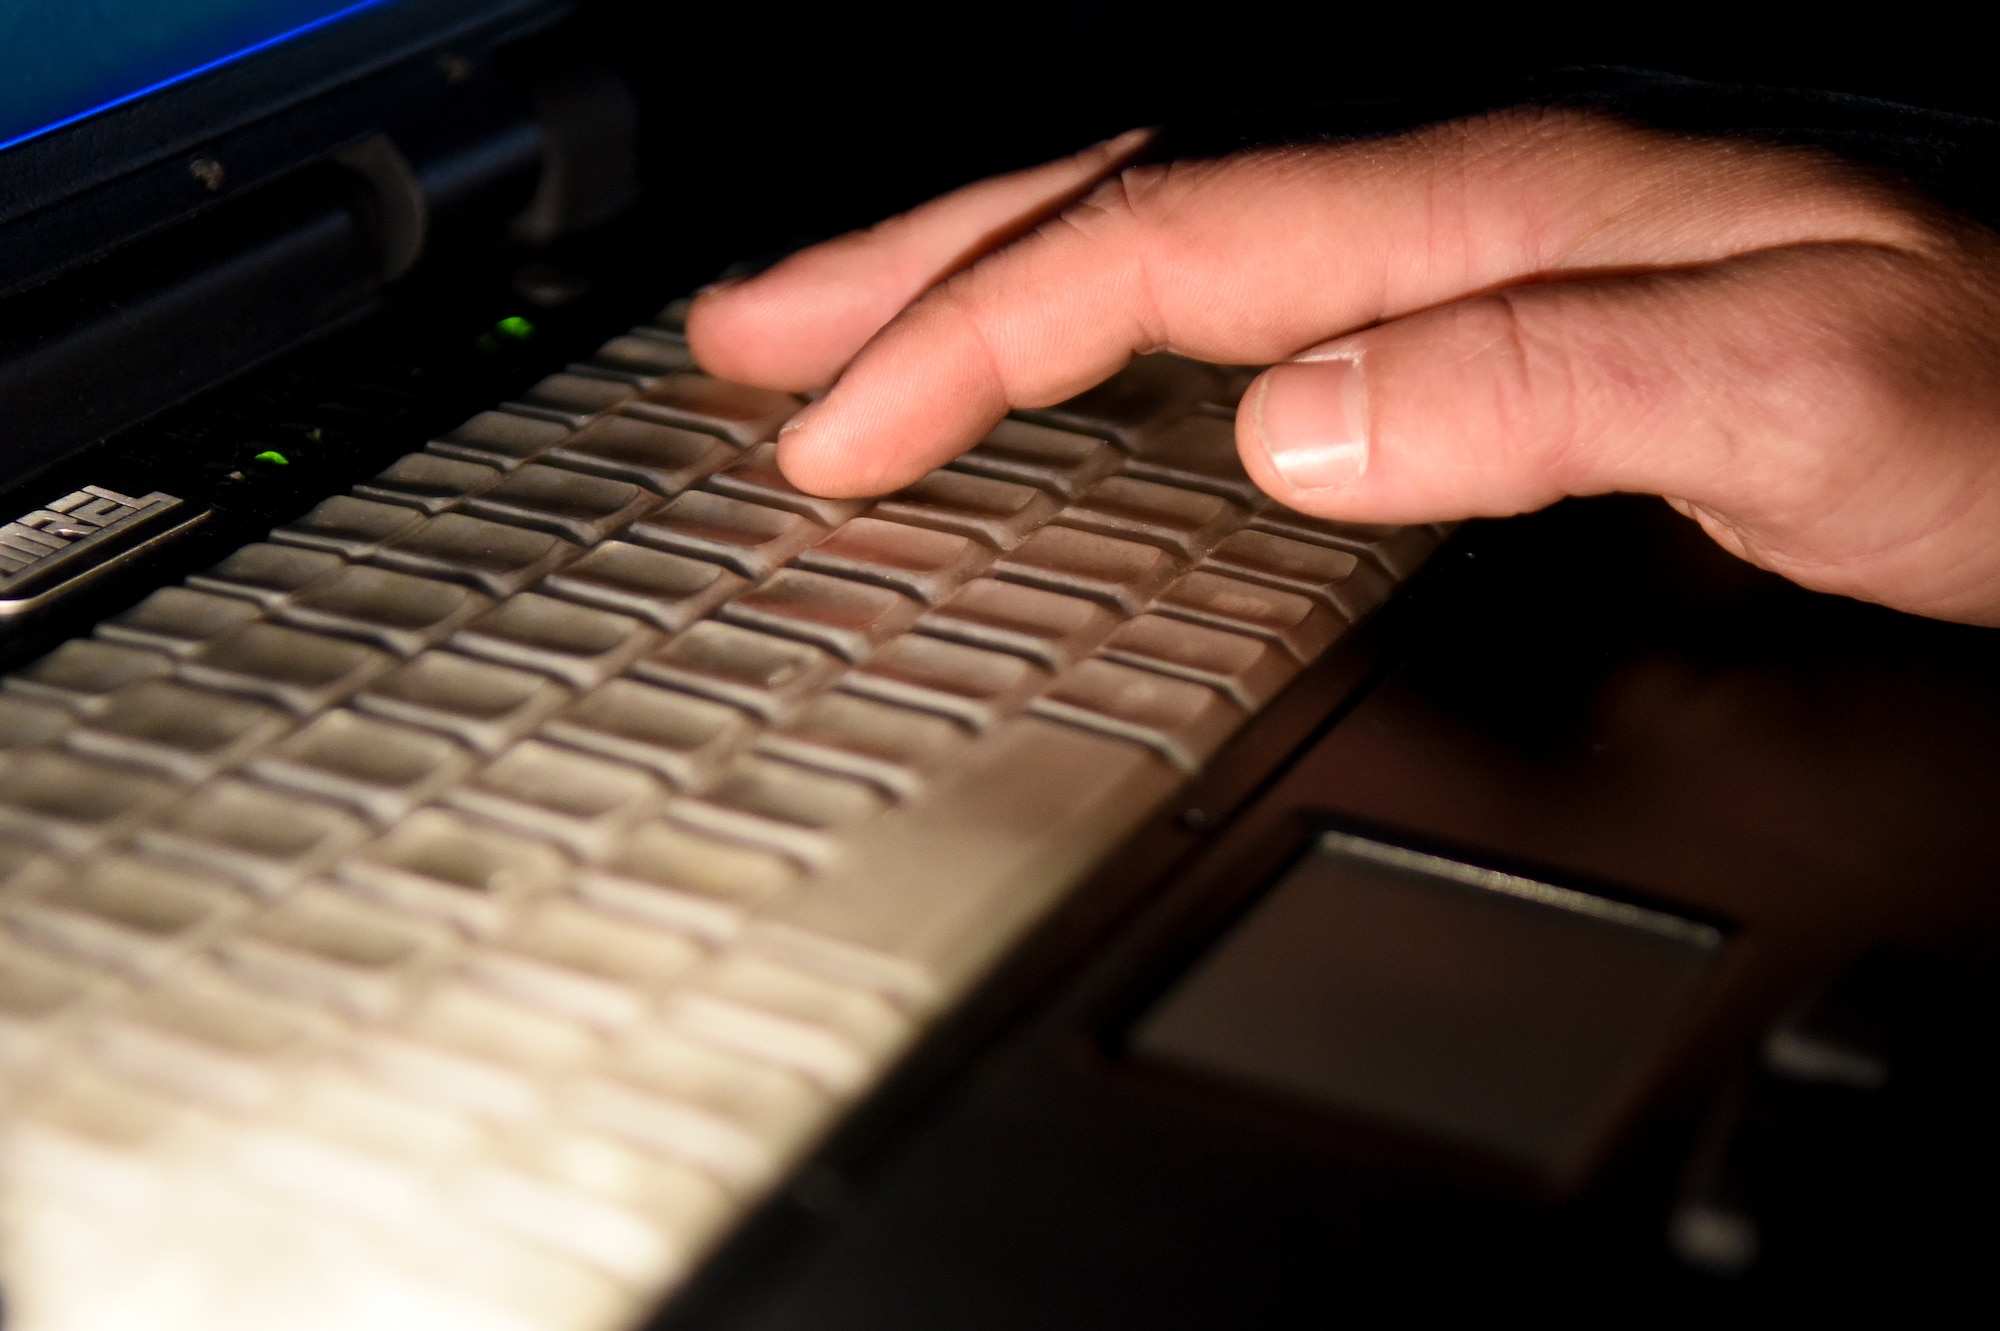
x,y
110,344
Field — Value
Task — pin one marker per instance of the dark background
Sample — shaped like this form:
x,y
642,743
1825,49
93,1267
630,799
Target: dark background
x,y
774,122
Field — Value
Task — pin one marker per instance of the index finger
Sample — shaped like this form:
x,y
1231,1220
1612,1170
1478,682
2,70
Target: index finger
x,y
1251,259
796,324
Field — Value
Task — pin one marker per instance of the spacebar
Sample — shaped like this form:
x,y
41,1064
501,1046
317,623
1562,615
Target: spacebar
x,y
925,897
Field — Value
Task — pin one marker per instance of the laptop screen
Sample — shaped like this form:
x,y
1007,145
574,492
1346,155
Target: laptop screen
x,y
62,61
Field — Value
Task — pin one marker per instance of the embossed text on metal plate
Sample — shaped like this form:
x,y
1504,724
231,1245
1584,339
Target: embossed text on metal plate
x,y
78,536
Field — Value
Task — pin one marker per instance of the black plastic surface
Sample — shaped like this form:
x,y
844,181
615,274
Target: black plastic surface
x,y
1594,697
84,190
1488,1010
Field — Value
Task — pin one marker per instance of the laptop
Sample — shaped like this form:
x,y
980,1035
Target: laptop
x,y
479,849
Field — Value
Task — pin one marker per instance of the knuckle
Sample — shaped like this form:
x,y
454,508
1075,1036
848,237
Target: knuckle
x,y
1518,387
1112,208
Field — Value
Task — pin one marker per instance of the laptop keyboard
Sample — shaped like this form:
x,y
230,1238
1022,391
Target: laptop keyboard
x,y
461,907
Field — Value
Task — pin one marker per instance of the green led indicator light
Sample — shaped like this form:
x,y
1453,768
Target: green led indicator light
x,y
273,457
516,327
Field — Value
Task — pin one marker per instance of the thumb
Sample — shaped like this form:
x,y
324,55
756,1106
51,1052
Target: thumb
x,y
1748,386
1821,410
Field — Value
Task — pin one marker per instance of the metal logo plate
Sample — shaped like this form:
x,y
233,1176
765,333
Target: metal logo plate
x,y
76,537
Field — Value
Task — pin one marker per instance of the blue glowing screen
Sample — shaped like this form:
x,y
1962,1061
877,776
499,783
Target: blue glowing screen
x,y
62,61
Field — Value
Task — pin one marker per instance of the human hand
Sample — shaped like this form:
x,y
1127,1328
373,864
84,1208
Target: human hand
x,y
1476,319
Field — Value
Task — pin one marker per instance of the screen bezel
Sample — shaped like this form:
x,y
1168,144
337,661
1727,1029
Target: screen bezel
x,y
89,186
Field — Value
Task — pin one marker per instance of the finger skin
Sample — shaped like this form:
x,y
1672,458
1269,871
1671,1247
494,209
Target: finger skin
x,y
796,324
1800,403
1250,259
1800,354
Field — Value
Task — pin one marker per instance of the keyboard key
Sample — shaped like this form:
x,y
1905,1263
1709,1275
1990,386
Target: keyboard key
x,y
200,1035
592,368
975,686
481,705
585,965
1332,577
428,482
755,477
85,674
257,836
1184,522
666,459
639,1219
670,323
134,915
71,804
1061,462
305,672
847,618
831,1033
492,556
679,878
103,1134
648,356
1043,626
1399,551
529,1209
512,1097
789,808
884,918
575,643
383,770
267,574
1148,394
737,1119
917,561
186,733
666,590
39,998
1300,626
343,525
586,509
322,946
400,611
894,747
575,398
583,802
500,439
994,512
1186,722
1231,383
736,412
177,620
755,671
26,724
338,1106
681,737
1197,453
1249,670
1122,574
26,868
750,538
464,872
473,1020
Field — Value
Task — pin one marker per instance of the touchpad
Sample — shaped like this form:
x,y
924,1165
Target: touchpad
x,y
1493,1011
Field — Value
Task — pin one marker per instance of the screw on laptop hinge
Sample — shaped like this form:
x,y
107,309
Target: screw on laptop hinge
x,y
210,173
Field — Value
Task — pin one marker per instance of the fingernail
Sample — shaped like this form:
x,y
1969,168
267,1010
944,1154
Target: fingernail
x,y
798,420
720,284
1312,418
1118,145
